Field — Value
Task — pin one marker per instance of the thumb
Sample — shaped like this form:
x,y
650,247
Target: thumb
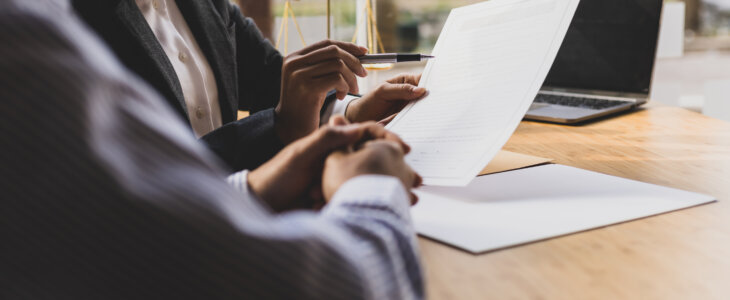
x,y
330,138
400,91
387,120
413,79
338,121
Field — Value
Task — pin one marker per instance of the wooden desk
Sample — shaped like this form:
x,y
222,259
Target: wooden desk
x,y
680,255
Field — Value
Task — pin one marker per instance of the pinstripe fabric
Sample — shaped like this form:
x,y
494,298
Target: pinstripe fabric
x,y
105,195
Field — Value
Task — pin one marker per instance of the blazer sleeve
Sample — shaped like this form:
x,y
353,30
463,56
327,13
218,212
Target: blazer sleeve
x,y
247,143
258,65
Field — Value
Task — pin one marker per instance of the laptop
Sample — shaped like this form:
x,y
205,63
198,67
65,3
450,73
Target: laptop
x,y
605,63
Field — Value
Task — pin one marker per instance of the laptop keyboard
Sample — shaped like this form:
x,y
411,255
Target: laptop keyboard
x,y
577,101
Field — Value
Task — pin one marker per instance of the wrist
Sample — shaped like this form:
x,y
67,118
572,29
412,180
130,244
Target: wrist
x,y
259,185
281,126
286,126
254,188
351,109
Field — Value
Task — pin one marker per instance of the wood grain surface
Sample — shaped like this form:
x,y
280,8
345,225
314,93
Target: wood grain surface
x,y
679,255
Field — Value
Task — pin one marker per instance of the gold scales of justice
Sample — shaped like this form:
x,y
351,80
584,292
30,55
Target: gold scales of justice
x,y
373,34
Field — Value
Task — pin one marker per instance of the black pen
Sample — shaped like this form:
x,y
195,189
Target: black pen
x,y
391,58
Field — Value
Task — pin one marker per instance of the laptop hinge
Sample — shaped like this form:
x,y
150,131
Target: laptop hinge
x,y
592,96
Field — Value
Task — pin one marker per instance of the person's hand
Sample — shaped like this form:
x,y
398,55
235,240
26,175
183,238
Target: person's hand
x,y
380,157
284,181
386,101
307,76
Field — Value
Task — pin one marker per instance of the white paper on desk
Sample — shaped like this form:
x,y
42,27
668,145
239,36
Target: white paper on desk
x,y
491,60
522,206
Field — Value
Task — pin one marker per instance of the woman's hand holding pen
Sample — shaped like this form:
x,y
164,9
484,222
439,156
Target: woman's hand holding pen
x,y
307,76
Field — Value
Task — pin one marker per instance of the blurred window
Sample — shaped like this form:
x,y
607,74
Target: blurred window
x,y
403,25
414,25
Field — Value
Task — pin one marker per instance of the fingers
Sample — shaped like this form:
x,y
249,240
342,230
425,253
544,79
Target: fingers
x,y
333,82
329,53
349,47
343,135
334,52
418,182
332,67
414,199
338,121
387,120
374,131
324,141
390,147
400,91
331,138
391,154
320,68
327,66
406,78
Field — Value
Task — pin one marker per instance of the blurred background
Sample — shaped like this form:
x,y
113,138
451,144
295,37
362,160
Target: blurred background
x,y
693,59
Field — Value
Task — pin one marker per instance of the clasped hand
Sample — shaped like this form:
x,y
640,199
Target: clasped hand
x,y
318,164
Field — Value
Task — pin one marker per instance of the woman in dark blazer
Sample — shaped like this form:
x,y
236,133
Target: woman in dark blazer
x,y
284,95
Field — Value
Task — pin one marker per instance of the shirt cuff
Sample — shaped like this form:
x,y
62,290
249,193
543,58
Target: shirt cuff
x,y
239,181
340,107
337,107
372,192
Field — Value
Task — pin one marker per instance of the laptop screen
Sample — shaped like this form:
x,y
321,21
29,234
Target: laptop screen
x,y
610,46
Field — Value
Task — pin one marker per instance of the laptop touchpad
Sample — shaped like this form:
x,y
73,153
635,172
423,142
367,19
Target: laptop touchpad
x,y
536,105
562,112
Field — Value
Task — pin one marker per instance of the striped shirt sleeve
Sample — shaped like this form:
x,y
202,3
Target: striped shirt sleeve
x,y
106,195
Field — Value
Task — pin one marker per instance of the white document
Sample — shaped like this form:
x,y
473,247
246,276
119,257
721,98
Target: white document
x,y
491,60
522,206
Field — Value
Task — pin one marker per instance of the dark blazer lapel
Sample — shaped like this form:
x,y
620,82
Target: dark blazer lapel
x,y
135,22
216,41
